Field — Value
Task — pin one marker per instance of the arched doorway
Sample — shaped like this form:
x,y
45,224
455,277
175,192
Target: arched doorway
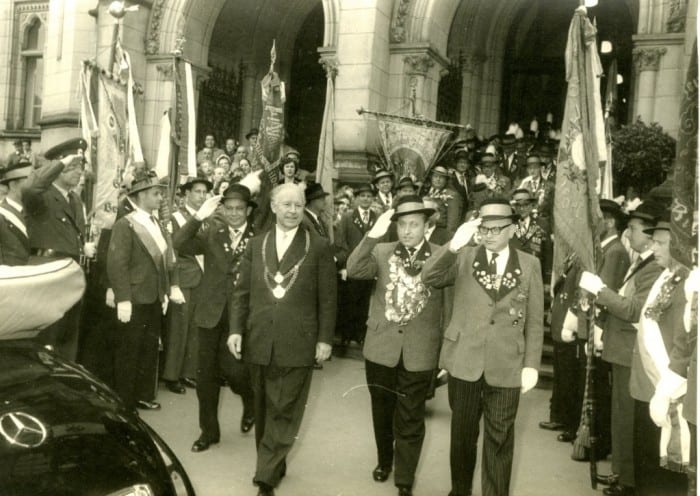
x,y
239,56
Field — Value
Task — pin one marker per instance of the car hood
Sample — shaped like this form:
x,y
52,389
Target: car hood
x,y
64,432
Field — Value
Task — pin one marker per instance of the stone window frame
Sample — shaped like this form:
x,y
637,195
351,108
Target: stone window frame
x,y
26,14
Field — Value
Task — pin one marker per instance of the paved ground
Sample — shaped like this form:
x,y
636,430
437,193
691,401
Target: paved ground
x,y
335,454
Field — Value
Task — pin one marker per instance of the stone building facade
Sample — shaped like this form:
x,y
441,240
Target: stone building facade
x,y
483,62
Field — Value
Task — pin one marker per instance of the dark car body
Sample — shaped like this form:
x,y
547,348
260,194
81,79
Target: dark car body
x,y
63,432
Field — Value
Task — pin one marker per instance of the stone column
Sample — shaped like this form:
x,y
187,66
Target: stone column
x,y
247,98
71,38
472,74
646,66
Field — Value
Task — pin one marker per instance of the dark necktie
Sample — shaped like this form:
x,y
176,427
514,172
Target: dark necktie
x,y
411,253
493,269
365,217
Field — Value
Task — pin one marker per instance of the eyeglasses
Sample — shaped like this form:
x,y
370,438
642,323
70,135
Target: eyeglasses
x,y
495,231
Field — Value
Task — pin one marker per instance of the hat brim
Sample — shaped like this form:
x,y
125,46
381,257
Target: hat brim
x,y
316,196
512,218
189,184
251,203
427,211
145,187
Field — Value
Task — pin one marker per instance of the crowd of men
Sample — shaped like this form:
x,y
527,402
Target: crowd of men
x,y
258,309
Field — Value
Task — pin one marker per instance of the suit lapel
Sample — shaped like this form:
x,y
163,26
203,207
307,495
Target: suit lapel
x,y
481,272
61,201
271,250
511,276
639,267
294,252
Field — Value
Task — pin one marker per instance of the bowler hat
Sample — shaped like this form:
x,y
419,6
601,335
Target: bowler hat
x,y
611,207
18,168
411,204
253,132
238,191
663,223
191,181
364,188
522,194
144,180
65,148
647,211
314,191
508,140
382,174
496,209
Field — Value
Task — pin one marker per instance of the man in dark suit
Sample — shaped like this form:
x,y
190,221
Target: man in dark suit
x,y
141,270
222,241
56,225
282,321
19,176
181,343
402,346
462,178
383,181
433,233
492,345
451,205
623,308
354,294
315,211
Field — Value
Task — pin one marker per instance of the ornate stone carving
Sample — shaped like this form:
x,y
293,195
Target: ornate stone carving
x,y
419,64
153,34
647,58
676,16
166,70
330,65
398,23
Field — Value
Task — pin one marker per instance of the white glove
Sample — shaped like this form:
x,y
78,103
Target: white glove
x,y
528,379
234,343
464,234
69,158
380,227
323,352
164,305
89,249
109,298
208,207
658,409
124,311
570,327
343,274
252,182
591,283
598,339
481,179
176,295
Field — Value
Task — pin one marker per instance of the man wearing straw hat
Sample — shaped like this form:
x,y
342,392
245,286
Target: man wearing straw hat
x,y
492,345
141,271
450,202
404,328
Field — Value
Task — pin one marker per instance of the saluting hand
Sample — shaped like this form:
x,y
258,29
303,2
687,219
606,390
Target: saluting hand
x,y
382,225
464,234
208,207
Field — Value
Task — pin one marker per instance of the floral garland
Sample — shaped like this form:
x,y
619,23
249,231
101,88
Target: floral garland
x,y
412,294
442,195
663,299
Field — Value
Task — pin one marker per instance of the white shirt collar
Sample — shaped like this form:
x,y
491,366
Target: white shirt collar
x,y
501,260
315,217
525,222
239,229
281,233
417,247
645,254
17,206
608,240
429,232
62,191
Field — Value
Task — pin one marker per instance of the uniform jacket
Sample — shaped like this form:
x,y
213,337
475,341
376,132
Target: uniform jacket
x,y
386,342
440,236
284,332
134,274
188,268
670,322
614,264
124,207
565,293
54,223
14,241
349,233
489,334
221,265
624,310
316,226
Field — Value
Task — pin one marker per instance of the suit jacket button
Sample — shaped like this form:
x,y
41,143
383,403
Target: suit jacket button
x,y
493,322
400,331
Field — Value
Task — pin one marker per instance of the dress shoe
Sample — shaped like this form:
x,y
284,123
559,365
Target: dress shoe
x,y
380,474
318,366
265,489
247,423
148,405
405,491
175,387
618,490
566,437
203,443
607,480
189,382
552,426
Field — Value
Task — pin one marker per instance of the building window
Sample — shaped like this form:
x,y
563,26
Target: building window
x,y
33,79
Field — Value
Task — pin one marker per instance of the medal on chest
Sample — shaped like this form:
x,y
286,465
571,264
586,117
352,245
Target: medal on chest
x,y
279,290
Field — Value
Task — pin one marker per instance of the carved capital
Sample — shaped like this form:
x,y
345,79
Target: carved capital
x,y
153,34
647,59
398,23
330,65
419,64
166,71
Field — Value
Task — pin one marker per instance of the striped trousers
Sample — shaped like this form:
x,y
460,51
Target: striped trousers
x,y
498,405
